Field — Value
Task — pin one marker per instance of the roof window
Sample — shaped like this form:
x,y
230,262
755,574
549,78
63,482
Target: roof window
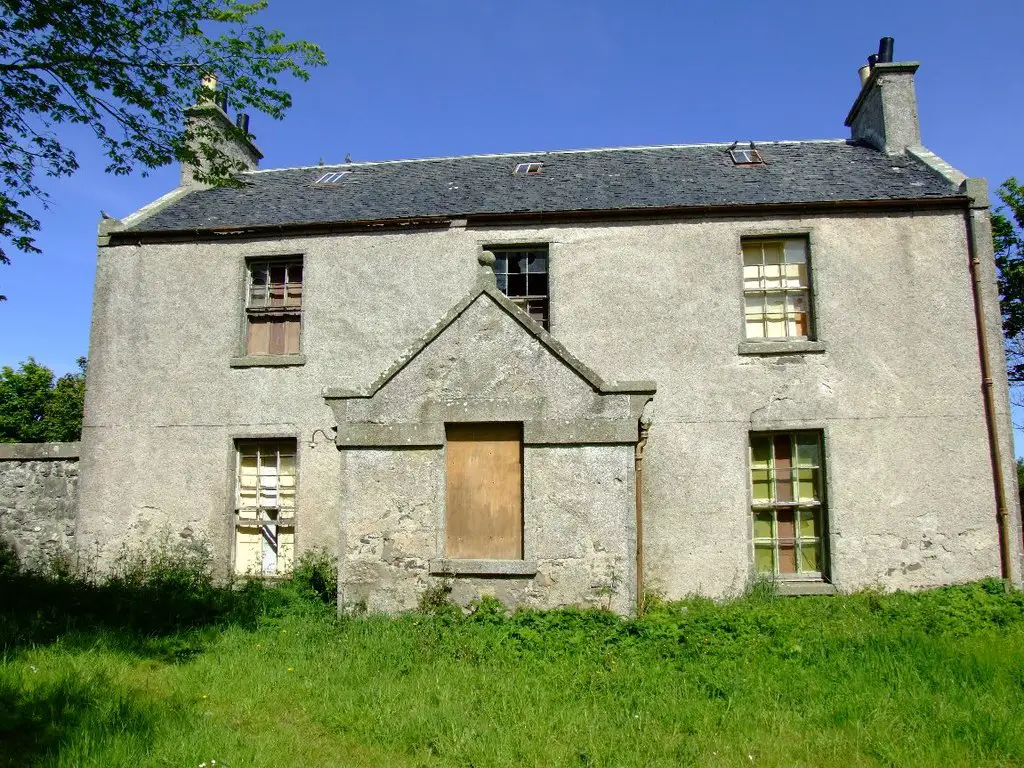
x,y
527,169
746,155
333,177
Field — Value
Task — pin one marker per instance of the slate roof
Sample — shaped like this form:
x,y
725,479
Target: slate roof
x,y
587,180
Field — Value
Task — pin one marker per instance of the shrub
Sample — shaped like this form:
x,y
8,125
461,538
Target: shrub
x,y
436,599
316,575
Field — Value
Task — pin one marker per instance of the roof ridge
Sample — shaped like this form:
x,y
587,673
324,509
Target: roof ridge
x,y
334,166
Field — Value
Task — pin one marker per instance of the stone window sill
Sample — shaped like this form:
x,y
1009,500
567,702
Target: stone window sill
x,y
795,588
450,567
780,347
267,361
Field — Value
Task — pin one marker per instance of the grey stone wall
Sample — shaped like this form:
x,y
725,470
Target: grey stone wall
x,y
578,525
38,499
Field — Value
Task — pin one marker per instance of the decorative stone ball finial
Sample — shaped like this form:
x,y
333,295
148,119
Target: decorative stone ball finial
x,y
485,272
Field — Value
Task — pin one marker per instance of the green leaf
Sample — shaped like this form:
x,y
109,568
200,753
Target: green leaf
x,y
127,69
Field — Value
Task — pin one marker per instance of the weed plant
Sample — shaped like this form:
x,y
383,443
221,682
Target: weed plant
x,y
159,665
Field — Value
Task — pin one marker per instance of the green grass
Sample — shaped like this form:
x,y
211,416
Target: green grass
x,y
159,667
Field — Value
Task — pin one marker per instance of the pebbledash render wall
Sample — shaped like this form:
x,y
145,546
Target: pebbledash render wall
x,y
892,381
38,500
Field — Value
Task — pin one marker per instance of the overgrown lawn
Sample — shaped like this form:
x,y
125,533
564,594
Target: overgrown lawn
x,y
159,667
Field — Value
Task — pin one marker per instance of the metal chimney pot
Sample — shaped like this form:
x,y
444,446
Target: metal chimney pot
x,y
885,49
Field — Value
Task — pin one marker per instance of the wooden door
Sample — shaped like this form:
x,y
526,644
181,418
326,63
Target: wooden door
x,y
484,517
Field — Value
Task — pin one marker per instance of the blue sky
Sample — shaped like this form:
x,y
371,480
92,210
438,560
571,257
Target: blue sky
x,y
418,79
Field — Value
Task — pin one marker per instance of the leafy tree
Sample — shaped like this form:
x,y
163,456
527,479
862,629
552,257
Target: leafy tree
x,y
127,69
34,408
1008,239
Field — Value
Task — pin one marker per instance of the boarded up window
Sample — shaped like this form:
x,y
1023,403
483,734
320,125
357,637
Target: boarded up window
x,y
274,307
264,507
485,491
786,489
776,289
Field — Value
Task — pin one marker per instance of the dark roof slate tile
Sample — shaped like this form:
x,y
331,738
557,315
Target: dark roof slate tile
x,y
590,180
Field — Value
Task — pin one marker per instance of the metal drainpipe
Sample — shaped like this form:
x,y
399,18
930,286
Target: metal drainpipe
x,y
995,454
639,476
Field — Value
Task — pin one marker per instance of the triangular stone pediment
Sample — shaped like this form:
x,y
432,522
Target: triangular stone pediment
x,y
486,360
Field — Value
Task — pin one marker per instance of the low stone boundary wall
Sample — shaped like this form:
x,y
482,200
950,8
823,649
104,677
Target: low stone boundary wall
x,y
38,499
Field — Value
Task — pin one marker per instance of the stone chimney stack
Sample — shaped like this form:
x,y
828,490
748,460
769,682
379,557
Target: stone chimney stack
x,y
885,112
211,124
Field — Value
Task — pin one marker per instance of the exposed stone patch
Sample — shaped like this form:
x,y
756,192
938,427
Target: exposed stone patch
x,y
39,500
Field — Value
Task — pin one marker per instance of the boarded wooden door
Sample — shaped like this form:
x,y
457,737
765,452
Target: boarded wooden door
x,y
485,491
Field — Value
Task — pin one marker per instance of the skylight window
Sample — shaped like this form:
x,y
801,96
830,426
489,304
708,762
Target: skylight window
x,y
528,169
745,156
333,177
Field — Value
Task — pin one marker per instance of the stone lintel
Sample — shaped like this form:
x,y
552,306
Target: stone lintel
x,y
432,434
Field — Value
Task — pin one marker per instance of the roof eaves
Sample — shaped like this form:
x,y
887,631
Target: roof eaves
x,y
954,199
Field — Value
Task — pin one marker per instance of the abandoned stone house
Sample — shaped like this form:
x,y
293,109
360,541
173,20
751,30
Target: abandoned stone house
x,y
565,377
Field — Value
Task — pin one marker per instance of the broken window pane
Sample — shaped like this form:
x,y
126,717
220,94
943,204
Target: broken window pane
x,y
521,273
516,285
537,285
265,486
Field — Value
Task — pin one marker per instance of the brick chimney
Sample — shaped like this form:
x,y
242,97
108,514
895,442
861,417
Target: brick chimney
x,y
885,112
210,124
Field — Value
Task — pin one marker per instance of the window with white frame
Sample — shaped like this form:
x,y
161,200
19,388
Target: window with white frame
x,y
788,508
776,290
264,507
